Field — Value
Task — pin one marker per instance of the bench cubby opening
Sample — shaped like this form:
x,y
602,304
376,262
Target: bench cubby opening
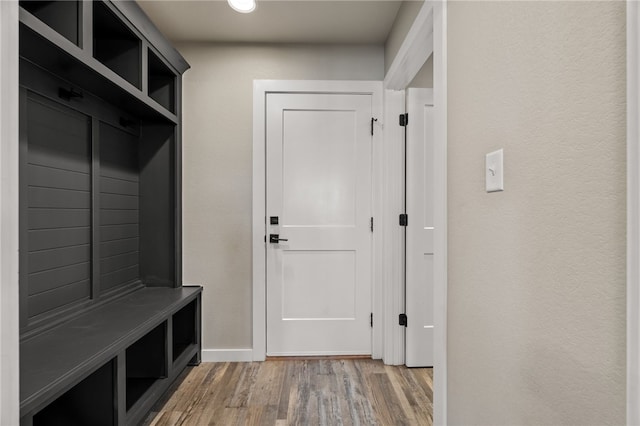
x,y
90,402
184,329
146,363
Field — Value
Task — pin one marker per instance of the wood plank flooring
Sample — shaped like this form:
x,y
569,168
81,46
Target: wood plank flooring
x,y
298,392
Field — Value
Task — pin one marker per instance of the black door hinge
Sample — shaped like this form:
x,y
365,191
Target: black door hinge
x,y
402,319
373,120
371,224
371,320
404,219
404,119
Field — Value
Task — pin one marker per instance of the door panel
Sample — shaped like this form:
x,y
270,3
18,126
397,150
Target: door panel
x,y
319,168
312,275
420,187
319,188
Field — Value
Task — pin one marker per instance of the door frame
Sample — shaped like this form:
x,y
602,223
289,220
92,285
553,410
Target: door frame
x,y
261,88
418,100
414,51
633,213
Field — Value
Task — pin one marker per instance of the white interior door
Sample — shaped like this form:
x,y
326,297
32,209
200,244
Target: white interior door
x,y
420,187
318,169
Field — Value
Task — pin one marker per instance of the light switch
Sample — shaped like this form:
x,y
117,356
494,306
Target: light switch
x,y
493,171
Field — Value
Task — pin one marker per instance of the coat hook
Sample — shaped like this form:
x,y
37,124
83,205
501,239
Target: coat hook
x,y
125,122
68,94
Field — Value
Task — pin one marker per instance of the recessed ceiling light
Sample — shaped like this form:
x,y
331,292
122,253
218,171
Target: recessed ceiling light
x,y
242,6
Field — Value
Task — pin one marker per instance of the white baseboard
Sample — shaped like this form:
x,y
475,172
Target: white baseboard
x,y
227,355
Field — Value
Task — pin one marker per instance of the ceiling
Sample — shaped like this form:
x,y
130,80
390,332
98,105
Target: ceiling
x,y
304,21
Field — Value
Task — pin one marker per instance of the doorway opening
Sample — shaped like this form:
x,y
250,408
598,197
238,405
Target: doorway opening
x,y
388,342
319,240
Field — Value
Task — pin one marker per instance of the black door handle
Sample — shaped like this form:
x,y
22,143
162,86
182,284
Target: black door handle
x,y
275,238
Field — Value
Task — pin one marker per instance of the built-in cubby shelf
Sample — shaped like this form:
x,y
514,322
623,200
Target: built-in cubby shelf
x,y
105,322
115,45
162,82
146,363
90,402
113,58
62,16
185,330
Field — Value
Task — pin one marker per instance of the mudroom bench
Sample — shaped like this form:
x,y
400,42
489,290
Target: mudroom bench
x,y
105,322
110,365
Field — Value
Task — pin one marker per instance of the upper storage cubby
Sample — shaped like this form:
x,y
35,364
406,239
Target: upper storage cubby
x,y
110,48
115,45
162,83
62,16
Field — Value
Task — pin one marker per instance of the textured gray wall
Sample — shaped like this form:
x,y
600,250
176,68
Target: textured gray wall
x,y
218,131
536,305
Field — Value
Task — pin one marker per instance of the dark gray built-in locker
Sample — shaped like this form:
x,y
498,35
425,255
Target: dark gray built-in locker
x,y
106,323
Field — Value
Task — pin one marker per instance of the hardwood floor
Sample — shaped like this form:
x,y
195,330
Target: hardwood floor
x,y
298,392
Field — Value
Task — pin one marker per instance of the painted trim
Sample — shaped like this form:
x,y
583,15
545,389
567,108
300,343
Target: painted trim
x,y
258,226
440,212
392,235
260,90
9,136
414,51
377,207
633,213
227,355
419,144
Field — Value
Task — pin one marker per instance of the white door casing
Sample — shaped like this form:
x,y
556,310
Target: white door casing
x,y
319,150
420,229
392,234
440,387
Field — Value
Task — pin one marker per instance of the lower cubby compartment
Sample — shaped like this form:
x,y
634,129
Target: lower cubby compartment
x,y
90,402
146,363
184,333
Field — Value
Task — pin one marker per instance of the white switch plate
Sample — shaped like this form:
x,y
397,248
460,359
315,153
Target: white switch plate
x,y
493,171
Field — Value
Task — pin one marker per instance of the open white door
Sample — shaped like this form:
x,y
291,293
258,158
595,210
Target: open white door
x,y
318,207
420,229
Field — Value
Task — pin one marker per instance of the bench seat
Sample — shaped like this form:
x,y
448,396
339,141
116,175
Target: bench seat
x,y
53,362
